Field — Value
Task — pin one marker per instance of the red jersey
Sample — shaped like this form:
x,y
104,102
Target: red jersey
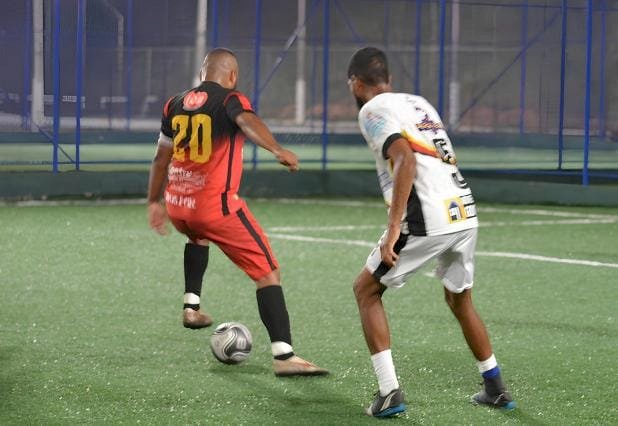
x,y
206,168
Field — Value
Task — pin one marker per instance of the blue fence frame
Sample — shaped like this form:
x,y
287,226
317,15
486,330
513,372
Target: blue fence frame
x,y
329,7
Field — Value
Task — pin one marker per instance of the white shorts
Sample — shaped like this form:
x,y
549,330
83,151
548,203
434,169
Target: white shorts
x,y
454,252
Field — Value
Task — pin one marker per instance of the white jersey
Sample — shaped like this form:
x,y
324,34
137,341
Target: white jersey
x,y
441,201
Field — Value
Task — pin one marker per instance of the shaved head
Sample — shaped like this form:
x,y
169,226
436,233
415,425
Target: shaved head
x,y
220,65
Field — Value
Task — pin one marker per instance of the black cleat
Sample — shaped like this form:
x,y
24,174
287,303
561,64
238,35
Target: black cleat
x,y
387,406
503,400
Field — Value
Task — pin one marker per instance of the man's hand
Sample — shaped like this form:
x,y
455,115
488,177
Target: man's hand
x,y
255,130
387,247
288,159
157,218
404,171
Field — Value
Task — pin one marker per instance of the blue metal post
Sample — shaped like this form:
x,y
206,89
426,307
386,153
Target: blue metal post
x,y
215,23
225,19
441,65
387,24
27,75
563,46
325,54
585,177
417,47
56,84
313,78
79,53
256,68
522,80
129,64
602,111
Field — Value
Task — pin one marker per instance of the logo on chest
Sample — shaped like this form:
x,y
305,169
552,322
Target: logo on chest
x,y
194,100
428,125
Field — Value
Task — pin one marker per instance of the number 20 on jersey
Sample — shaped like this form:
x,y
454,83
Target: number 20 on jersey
x,y
200,139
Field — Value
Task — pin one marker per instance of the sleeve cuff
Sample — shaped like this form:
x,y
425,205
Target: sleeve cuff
x,y
389,141
164,140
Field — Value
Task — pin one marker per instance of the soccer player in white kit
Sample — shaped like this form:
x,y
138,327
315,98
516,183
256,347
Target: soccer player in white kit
x,y
432,215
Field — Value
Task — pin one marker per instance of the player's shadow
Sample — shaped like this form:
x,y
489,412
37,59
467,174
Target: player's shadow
x,y
15,376
519,415
296,396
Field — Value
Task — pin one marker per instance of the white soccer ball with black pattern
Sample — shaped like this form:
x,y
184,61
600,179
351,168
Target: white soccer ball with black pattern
x,y
231,342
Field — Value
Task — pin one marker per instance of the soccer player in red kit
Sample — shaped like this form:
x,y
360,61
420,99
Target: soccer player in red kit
x,y
202,135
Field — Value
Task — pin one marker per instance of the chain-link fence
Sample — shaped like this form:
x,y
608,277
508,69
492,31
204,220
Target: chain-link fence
x,y
521,84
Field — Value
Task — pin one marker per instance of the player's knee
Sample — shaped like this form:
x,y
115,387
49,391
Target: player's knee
x,y
199,241
272,278
458,302
356,288
367,288
362,290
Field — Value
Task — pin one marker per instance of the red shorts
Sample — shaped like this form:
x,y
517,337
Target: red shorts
x,y
238,235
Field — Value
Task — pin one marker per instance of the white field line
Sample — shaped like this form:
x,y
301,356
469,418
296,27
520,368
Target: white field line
x,y
321,240
521,256
551,222
525,256
541,212
56,203
378,204
484,224
324,228
317,201
325,202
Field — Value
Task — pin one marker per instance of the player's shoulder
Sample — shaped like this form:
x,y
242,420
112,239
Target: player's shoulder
x,y
234,93
390,101
174,101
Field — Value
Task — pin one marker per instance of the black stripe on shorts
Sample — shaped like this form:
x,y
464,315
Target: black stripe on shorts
x,y
383,268
243,218
230,163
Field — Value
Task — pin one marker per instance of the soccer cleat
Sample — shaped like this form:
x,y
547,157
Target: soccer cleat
x,y
195,319
503,400
387,406
296,366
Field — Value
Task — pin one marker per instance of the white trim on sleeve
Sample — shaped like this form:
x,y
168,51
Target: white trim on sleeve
x,y
164,140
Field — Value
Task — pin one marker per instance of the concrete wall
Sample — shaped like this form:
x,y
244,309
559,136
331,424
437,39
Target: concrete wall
x,y
487,187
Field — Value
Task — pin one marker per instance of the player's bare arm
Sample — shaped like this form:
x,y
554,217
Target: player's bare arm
x,y
257,131
404,171
157,217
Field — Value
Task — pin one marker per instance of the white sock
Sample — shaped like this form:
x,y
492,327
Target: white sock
x,y
488,364
385,371
191,299
280,348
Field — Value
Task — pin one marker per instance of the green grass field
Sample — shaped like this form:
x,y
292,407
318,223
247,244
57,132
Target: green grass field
x,y
91,301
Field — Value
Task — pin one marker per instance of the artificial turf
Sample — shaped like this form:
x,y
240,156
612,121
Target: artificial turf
x,y
90,330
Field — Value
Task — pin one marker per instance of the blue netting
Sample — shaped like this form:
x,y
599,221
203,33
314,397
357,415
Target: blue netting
x,y
508,75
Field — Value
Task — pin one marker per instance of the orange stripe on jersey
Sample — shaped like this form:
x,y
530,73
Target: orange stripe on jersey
x,y
420,146
244,102
167,106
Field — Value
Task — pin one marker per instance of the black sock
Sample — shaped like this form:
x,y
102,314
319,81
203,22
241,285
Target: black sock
x,y
196,261
192,306
274,315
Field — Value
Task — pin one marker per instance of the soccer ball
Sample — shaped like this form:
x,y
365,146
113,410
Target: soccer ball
x,y
231,342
